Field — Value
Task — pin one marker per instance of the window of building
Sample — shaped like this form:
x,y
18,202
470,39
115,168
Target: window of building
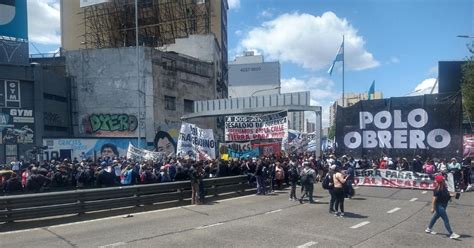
x,y
170,103
188,106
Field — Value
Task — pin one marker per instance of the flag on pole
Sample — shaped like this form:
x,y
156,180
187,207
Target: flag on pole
x,y
339,57
371,90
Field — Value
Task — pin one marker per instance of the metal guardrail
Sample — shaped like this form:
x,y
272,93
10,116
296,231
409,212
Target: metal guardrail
x,y
41,205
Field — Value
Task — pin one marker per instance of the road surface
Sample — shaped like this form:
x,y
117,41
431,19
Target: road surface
x,y
376,217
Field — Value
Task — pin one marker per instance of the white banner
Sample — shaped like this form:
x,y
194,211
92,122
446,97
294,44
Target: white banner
x,y
197,143
251,127
297,141
142,154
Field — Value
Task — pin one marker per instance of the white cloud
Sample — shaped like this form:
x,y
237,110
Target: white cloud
x,y
267,13
234,4
309,41
44,22
238,32
322,93
425,87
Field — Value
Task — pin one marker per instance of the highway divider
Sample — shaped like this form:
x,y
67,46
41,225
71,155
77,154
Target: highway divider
x,y
40,205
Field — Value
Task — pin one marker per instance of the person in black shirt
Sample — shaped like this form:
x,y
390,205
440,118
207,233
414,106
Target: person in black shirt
x,y
440,201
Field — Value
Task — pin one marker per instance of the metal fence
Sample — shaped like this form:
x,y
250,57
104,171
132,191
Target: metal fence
x,y
41,205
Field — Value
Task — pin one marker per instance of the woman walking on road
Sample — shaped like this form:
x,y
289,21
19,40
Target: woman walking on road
x,y
440,201
339,180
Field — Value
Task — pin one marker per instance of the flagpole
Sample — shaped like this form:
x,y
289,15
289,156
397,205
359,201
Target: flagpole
x,y
343,52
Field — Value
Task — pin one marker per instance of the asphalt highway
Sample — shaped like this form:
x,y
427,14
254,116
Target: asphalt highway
x,y
376,217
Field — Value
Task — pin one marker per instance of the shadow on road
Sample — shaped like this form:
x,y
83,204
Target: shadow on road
x,y
354,215
358,199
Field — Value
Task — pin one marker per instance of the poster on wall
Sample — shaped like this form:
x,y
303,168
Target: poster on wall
x,y
195,142
428,125
299,142
252,127
12,94
88,148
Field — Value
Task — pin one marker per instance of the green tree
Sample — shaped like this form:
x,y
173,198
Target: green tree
x,y
467,86
332,132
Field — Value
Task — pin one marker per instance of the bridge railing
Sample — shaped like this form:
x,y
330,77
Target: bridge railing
x,y
41,205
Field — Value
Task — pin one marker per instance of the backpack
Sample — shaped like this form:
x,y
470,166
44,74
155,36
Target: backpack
x,y
328,182
306,177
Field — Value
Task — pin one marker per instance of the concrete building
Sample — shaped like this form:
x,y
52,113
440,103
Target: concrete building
x,y
350,99
190,27
250,75
105,91
309,127
35,103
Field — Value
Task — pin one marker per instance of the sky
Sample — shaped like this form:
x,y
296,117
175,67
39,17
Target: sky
x,y
397,43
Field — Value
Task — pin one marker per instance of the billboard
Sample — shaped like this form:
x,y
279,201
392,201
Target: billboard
x,y
428,125
13,19
251,127
88,148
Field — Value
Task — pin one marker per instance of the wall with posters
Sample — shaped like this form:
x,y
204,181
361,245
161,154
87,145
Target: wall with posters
x,y
88,148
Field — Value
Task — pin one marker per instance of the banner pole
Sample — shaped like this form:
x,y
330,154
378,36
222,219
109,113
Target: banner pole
x,y
343,55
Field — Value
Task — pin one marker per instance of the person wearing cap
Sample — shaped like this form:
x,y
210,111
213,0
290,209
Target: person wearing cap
x,y
439,203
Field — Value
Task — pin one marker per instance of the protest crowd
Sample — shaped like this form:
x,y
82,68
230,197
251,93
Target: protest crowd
x,y
268,173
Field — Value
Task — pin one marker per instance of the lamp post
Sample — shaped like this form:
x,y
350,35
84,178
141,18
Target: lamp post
x,y
279,87
137,53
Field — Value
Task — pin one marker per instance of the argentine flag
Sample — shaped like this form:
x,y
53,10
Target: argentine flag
x,y
339,57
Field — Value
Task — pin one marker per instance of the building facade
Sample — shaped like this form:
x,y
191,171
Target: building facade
x,y
349,100
34,103
105,92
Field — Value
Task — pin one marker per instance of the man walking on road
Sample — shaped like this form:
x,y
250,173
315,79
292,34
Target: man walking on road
x,y
307,181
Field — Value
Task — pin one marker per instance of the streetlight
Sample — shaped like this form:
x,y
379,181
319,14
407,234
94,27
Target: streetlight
x,y
279,87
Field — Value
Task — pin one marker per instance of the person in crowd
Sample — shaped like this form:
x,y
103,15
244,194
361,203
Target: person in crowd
x,y
195,175
12,184
279,175
105,177
384,163
339,180
439,203
259,171
455,168
37,182
442,167
348,189
417,165
402,165
429,167
293,176
328,183
307,181
391,165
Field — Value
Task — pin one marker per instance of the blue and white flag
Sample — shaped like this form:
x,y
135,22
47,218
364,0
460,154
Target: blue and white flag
x,y
339,57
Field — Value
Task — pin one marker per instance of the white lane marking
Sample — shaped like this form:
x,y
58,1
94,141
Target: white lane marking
x,y
207,226
424,192
112,245
356,187
413,199
20,231
310,243
393,210
236,198
274,211
360,224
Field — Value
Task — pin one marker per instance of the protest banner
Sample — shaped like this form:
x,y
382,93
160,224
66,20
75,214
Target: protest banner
x,y
235,146
252,153
195,142
246,127
428,125
142,154
299,142
269,149
394,179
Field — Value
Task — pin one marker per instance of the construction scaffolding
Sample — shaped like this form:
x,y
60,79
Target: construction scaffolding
x,y
160,22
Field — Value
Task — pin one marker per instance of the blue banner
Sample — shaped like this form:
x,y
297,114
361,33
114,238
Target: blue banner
x,y
244,154
13,19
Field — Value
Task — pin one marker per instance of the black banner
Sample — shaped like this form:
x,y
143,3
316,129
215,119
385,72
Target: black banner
x,y
428,125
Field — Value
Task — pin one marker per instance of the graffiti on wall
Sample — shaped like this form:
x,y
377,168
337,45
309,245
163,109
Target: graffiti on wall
x,y
166,136
110,125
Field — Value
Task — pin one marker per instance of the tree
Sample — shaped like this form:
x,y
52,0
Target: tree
x,y
467,86
332,132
